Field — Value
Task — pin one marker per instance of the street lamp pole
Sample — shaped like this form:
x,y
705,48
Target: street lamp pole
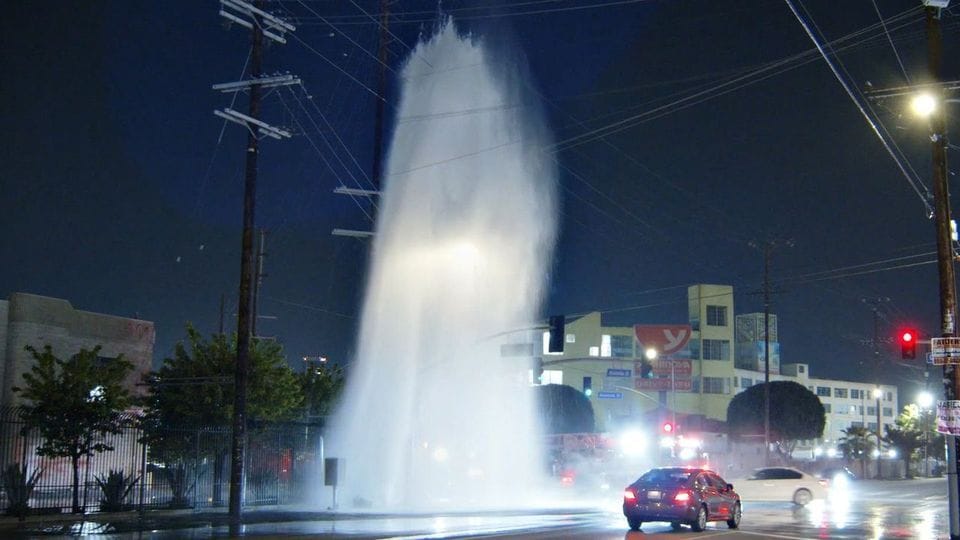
x,y
878,393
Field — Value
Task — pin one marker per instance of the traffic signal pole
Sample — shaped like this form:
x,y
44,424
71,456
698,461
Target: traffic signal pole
x,y
948,299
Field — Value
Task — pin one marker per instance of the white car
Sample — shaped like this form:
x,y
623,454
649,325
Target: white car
x,y
781,484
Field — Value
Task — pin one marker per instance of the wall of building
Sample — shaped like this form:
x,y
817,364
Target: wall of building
x,y
39,320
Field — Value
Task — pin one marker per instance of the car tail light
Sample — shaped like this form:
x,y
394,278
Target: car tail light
x,y
682,497
824,482
629,495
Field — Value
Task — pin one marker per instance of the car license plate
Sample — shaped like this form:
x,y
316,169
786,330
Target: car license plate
x,y
654,495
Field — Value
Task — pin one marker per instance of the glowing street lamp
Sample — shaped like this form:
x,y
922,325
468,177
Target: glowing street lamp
x,y
923,105
924,400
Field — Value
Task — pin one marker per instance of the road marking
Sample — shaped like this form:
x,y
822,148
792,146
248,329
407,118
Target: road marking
x,y
769,535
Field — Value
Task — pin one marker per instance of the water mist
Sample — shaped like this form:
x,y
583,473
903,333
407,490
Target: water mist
x,y
433,416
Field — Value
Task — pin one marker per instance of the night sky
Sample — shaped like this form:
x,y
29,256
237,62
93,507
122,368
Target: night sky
x,y
121,191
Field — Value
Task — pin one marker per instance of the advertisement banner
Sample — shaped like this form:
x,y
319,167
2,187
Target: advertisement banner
x,y
668,339
948,417
679,385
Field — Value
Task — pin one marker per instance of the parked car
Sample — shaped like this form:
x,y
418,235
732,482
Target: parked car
x,y
782,484
681,495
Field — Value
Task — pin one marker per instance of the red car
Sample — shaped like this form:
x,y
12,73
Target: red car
x,y
681,495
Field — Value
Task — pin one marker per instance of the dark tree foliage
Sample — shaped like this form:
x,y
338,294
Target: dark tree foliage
x,y
321,386
564,409
74,404
795,413
194,390
906,435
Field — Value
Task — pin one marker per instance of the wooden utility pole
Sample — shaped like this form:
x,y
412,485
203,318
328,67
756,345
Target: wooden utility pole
x,y
261,24
941,202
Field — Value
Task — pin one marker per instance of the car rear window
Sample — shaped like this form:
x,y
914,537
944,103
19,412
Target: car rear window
x,y
666,476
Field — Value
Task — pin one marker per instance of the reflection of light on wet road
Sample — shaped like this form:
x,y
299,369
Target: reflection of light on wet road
x,y
925,525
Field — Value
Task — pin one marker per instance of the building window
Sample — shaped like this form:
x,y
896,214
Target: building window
x,y
746,382
872,426
856,424
871,411
594,351
716,349
713,385
823,391
840,392
888,396
826,408
801,369
855,394
887,411
605,347
716,315
621,346
551,376
860,410
853,409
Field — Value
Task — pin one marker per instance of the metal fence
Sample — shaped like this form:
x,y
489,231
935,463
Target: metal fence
x,y
283,463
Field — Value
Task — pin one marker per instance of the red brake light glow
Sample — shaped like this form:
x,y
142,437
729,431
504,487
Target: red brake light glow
x,y
629,495
683,496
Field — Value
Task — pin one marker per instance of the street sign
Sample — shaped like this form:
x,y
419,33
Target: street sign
x,y
948,417
945,350
610,395
612,372
516,349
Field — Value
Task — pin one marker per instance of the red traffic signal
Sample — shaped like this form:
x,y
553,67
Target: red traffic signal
x,y
667,428
908,344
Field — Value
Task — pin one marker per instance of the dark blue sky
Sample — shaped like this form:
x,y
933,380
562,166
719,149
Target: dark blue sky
x,y
120,195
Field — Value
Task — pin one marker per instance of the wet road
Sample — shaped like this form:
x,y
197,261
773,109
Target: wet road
x,y
915,509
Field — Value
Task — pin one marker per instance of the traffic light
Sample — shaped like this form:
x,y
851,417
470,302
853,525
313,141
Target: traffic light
x,y
555,344
908,344
667,428
588,386
646,369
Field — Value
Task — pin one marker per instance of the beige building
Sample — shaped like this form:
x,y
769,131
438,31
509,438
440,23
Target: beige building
x,y
722,356
691,375
28,319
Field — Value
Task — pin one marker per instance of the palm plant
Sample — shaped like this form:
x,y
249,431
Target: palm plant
x,y
19,486
857,444
114,489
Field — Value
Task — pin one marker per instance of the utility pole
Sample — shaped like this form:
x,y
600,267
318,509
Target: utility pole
x,y
257,283
767,252
378,120
941,201
874,304
261,24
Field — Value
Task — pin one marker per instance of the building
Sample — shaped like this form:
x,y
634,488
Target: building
x,y
28,319
700,365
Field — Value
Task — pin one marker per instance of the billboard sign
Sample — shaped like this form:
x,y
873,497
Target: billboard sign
x,y
668,339
679,385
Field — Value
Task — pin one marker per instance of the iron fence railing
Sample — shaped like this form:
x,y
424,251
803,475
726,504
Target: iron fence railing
x,y
283,462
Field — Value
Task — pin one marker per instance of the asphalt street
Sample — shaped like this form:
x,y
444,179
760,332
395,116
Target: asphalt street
x,y
915,509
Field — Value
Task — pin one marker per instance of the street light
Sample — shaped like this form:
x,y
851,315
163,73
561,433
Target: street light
x,y
877,394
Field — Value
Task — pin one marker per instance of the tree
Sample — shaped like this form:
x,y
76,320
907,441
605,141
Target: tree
x,y
564,409
321,386
856,443
795,414
906,436
74,404
194,390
